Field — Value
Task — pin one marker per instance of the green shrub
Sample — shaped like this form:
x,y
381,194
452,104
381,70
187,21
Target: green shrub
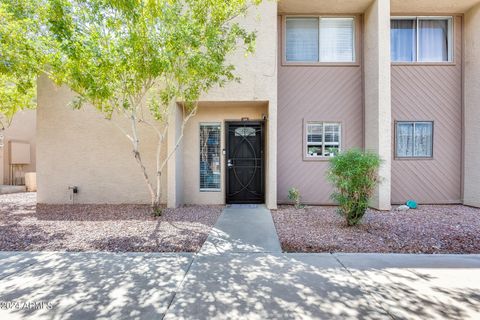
x,y
294,195
354,174
157,211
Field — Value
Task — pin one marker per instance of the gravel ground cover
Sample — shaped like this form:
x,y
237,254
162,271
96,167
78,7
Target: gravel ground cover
x,y
429,229
122,228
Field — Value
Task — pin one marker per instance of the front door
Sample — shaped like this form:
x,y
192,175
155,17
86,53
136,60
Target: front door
x,y
245,160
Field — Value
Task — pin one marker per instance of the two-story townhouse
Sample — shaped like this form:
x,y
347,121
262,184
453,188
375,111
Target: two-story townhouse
x,y
401,78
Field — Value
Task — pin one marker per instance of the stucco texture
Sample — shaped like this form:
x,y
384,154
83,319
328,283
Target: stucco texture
x,y
472,109
21,129
323,6
360,6
258,73
377,75
431,6
211,112
82,149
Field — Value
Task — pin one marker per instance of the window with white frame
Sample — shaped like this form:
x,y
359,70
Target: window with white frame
x,y
414,139
319,39
323,139
210,157
422,39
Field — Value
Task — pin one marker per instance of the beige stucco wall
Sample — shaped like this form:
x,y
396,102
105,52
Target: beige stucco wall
x,y
258,73
79,147
360,6
323,6
22,129
211,112
432,6
175,149
377,94
471,187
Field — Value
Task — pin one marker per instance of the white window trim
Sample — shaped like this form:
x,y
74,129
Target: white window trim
x,y
450,24
200,125
324,123
354,40
413,156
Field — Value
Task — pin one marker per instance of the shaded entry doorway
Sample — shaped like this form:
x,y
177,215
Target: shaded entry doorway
x,y
245,181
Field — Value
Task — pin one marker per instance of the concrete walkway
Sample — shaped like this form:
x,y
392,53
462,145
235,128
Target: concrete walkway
x,y
244,229
238,275
7,189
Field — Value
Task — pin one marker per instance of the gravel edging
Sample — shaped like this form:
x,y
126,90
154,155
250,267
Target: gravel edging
x,y
25,226
429,229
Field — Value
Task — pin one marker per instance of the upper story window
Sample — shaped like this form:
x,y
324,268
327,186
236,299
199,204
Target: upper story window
x,y
319,39
422,39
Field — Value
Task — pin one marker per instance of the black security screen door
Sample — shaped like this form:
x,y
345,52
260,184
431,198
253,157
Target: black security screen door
x,y
245,160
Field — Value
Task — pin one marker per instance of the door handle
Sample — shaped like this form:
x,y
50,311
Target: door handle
x,y
229,163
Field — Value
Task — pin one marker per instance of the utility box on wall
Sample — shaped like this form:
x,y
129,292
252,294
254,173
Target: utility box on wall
x,y
20,157
19,153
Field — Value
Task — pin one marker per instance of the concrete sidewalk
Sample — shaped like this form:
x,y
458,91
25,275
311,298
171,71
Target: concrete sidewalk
x,y
238,286
7,189
330,286
240,273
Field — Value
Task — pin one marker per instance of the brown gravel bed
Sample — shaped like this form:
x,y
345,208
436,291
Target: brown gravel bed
x,y
429,229
119,228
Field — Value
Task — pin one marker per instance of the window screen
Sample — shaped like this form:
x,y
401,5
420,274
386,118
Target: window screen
x,y
414,139
320,39
323,139
302,39
421,39
210,157
433,40
404,40
336,40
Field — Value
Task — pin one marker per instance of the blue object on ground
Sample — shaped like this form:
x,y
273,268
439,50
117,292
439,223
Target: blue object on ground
x,y
412,204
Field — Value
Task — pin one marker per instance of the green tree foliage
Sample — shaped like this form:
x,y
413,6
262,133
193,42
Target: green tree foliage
x,y
20,57
112,53
132,59
354,174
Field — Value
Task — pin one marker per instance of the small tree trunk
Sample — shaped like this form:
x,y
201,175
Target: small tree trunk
x,y
159,169
145,177
138,158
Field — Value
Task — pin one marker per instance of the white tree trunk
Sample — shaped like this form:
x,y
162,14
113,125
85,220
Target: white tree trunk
x,y
155,192
136,153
